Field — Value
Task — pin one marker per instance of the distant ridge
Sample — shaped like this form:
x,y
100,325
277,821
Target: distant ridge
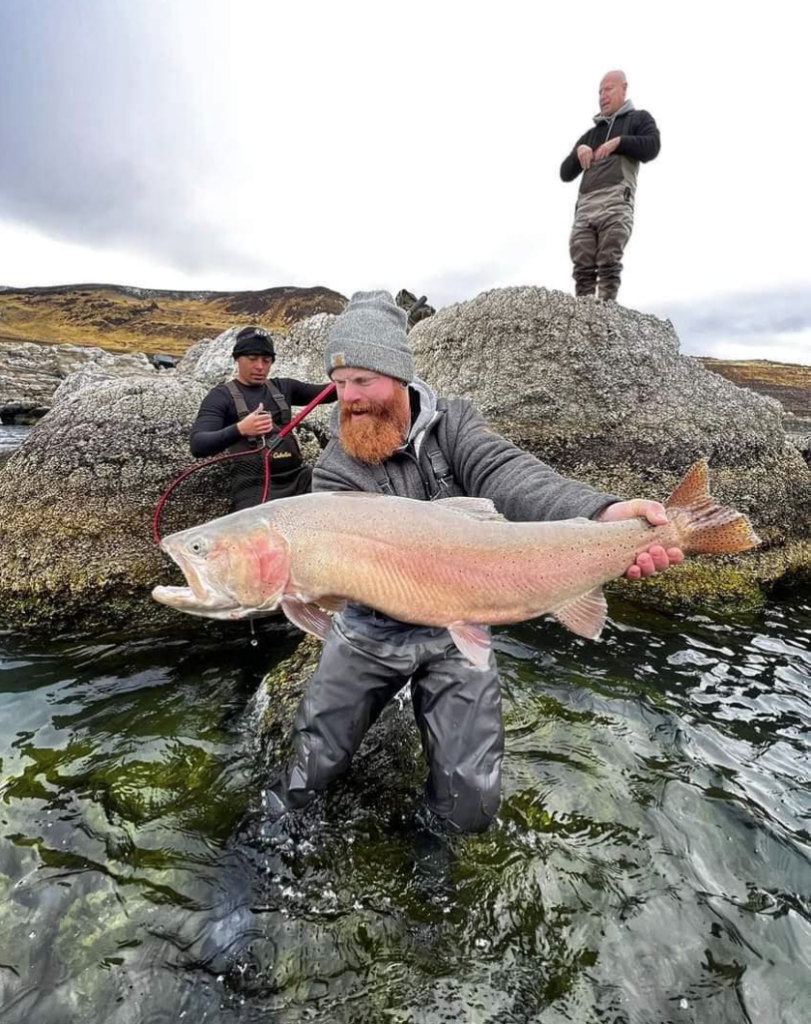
x,y
126,318
789,383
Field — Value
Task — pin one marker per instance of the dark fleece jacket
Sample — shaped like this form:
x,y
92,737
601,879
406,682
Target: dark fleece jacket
x,y
639,141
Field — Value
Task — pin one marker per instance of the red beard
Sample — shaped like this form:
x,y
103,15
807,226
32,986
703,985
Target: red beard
x,y
377,435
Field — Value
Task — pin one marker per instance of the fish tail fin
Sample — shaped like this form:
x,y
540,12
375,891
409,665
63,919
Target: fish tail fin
x,y
705,526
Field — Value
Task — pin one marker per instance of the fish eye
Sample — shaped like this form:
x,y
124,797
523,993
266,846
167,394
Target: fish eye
x,y
197,546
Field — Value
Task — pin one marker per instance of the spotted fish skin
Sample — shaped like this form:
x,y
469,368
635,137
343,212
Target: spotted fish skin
x,y
454,563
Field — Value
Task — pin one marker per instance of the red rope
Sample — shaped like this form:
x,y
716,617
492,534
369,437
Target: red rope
x,y
266,453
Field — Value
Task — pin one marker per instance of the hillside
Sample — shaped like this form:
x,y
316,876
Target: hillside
x,y
789,383
123,319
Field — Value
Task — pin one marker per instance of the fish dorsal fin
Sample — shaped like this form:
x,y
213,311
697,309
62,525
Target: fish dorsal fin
x,y
473,508
585,615
693,489
308,617
473,641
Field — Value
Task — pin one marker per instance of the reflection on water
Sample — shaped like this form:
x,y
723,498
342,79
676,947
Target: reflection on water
x,y
652,861
11,437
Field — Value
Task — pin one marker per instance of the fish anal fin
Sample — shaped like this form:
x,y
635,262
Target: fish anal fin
x,y
473,508
585,615
473,641
308,617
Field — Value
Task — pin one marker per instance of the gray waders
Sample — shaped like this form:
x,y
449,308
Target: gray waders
x,y
456,706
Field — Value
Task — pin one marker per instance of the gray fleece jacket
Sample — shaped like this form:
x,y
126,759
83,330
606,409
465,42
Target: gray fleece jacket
x,y
483,465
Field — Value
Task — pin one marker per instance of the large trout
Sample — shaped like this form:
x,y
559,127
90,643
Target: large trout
x,y
455,563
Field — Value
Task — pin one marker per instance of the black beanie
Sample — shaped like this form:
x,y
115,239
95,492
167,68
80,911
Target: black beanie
x,y
253,341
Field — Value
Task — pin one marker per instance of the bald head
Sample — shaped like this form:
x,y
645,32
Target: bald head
x,y
613,88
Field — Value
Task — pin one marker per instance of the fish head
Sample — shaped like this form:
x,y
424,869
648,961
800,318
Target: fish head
x,y
233,571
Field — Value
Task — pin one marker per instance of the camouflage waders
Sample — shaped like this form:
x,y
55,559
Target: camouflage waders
x,y
603,222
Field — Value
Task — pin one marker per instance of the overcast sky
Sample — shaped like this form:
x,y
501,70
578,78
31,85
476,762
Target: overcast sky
x,y
199,144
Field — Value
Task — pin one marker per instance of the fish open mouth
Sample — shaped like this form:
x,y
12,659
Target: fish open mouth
x,y
185,600
188,600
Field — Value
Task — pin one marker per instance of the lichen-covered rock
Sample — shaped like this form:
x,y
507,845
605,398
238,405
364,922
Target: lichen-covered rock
x,y
76,504
601,393
30,374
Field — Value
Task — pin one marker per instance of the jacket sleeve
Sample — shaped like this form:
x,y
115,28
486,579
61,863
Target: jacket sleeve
x,y
644,144
215,428
297,392
523,488
570,168
326,477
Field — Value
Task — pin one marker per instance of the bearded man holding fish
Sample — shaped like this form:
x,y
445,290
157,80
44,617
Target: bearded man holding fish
x,y
394,436
424,529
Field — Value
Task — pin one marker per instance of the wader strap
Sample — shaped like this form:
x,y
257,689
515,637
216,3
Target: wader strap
x,y
284,414
381,478
244,443
275,394
239,399
242,411
439,484
441,472
280,401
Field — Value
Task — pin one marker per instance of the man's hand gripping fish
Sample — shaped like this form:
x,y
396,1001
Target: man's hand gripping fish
x,y
455,563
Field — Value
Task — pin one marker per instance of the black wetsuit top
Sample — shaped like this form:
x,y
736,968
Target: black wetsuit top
x,y
215,430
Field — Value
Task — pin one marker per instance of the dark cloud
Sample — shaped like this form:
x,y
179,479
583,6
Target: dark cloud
x,y
750,321
98,137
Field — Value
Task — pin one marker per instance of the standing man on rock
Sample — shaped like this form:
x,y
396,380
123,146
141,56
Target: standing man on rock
x,y
393,435
608,156
242,413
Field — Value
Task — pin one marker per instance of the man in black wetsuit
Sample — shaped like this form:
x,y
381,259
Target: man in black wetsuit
x,y
242,413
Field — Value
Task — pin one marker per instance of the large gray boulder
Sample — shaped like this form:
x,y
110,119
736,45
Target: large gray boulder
x,y
599,391
76,503
603,394
77,499
30,374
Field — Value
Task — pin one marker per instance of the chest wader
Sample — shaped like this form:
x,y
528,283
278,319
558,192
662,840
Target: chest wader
x,y
288,474
457,708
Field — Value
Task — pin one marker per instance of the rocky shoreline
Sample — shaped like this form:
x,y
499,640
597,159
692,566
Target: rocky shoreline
x,y
597,390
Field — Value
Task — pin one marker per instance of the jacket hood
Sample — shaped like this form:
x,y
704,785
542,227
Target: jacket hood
x,y
626,108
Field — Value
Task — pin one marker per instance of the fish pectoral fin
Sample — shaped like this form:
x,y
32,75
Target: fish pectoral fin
x,y
308,617
473,641
473,508
330,603
585,615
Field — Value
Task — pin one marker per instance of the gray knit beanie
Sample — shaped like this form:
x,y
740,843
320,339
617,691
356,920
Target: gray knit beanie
x,y
370,334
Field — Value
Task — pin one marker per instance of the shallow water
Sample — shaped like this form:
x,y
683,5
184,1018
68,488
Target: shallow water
x,y
11,437
651,863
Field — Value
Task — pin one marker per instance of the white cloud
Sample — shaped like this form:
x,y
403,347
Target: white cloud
x,y
361,144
